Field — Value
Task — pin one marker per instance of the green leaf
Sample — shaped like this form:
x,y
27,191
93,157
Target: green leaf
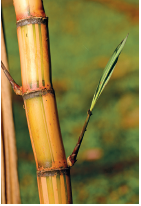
x,y
107,72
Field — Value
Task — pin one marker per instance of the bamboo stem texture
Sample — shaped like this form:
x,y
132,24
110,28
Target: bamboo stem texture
x,y
53,175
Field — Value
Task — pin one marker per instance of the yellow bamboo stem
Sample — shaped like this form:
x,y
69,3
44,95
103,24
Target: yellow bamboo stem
x,y
40,104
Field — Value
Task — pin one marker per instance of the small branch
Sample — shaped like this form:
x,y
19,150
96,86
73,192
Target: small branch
x,y
102,83
17,89
72,158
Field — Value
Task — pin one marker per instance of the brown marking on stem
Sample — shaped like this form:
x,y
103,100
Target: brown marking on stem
x,y
32,20
17,89
49,172
38,92
72,158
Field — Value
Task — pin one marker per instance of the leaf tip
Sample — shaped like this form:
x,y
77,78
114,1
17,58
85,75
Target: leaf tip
x,y
124,40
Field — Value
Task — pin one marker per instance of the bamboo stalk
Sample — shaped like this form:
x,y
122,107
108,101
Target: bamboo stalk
x,y
53,174
9,176
3,185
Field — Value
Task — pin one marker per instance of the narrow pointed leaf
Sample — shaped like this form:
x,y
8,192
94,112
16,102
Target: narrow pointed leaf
x,y
107,72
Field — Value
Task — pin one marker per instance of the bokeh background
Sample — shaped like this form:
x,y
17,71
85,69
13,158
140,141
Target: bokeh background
x,y
83,35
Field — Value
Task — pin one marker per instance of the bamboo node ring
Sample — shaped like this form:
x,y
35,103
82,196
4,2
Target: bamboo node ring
x,y
32,20
38,93
44,173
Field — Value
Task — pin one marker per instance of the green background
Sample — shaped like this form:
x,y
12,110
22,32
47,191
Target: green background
x,y
83,36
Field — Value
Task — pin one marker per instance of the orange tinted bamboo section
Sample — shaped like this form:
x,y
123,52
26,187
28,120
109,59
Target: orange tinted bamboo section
x,y
40,104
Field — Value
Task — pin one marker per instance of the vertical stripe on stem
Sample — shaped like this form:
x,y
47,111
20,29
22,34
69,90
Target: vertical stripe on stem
x,y
63,192
54,130
59,189
54,181
41,53
31,58
23,59
44,190
46,60
50,190
65,184
40,190
69,189
39,131
38,55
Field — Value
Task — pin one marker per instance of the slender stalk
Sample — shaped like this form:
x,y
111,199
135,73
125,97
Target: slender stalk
x,y
72,158
17,89
10,192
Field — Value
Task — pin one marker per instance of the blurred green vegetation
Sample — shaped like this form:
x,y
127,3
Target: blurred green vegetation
x,y
83,35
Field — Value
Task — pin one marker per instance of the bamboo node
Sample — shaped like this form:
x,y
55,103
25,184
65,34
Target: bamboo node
x,y
89,112
32,20
37,93
59,171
